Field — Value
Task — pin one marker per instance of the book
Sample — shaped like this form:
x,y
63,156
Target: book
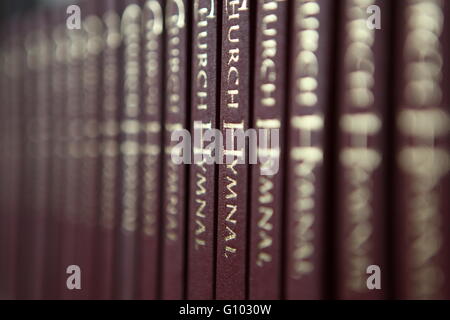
x,y
25,210
91,87
175,179
204,81
58,93
422,150
150,145
267,186
108,221
226,150
309,104
35,210
130,111
72,157
233,177
4,164
12,127
361,219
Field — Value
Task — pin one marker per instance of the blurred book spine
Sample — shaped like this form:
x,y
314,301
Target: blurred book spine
x,y
109,196
130,111
422,155
310,89
362,180
269,109
151,155
175,176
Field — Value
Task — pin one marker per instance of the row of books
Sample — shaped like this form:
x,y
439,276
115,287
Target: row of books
x,y
93,205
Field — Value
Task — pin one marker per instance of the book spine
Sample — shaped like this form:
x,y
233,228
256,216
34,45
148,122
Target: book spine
x,y
71,157
266,179
92,28
109,151
12,107
26,209
308,105
177,100
36,180
42,169
362,99
204,112
57,55
422,150
129,149
5,48
4,163
233,178
150,154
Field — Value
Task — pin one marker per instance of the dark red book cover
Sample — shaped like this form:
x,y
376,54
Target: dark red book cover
x,y
72,158
233,178
58,94
93,40
150,154
362,87
111,75
13,127
177,101
35,213
42,170
130,110
422,150
4,162
26,208
311,53
266,181
204,111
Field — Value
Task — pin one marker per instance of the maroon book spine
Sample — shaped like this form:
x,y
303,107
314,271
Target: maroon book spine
x,y
12,93
266,179
202,195
57,70
130,111
233,178
42,169
72,159
4,161
175,175
422,150
361,181
150,154
308,105
5,48
36,179
26,208
92,29
109,151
